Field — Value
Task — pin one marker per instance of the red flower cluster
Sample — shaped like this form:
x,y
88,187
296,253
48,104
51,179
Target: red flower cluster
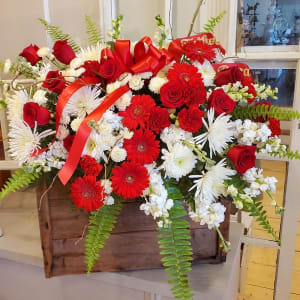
x,y
221,102
274,126
33,113
199,51
30,54
90,166
87,193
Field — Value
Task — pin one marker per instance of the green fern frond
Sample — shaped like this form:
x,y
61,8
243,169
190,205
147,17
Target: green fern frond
x,y
256,209
19,179
101,223
289,154
252,112
177,251
213,22
56,34
92,31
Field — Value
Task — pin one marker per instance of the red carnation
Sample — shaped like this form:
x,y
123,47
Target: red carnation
x,y
230,75
274,126
142,148
172,94
159,119
138,112
87,193
183,73
195,93
191,119
199,51
129,180
109,69
243,157
92,68
68,142
63,52
32,113
221,102
30,54
54,82
90,166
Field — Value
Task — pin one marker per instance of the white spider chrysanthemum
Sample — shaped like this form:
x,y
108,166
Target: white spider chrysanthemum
x,y
207,71
15,104
83,102
210,185
24,141
219,132
92,52
178,161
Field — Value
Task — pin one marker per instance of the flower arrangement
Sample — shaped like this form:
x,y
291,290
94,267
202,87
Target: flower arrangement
x,y
165,124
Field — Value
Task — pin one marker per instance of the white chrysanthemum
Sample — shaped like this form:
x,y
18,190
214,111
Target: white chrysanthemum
x,y
124,101
39,97
76,123
118,154
83,102
210,185
178,161
156,83
24,141
219,132
92,52
15,104
173,134
136,82
207,71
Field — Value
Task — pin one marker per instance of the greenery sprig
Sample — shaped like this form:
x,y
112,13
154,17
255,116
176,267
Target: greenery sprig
x,y
92,31
211,24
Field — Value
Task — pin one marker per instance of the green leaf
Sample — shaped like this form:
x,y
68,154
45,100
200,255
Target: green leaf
x,y
210,26
92,31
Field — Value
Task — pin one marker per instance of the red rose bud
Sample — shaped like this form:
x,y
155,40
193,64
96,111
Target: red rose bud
x,y
243,157
230,75
30,54
92,68
191,119
32,113
68,141
274,126
54,82
221,102
172,94
63,52
109,69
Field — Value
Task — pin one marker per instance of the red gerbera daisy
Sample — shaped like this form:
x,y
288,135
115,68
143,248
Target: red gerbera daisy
x,y
191,119
90,166
138,112
129,180
87,193
198,50
142,147
184,73
159,119
274,126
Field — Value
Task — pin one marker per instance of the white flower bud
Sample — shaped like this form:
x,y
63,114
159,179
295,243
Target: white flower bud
x,y
44,52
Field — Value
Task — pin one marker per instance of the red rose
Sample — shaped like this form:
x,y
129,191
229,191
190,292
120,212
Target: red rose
x,y
191,119
90,166
158,119
243,157
30,54
92,68
274,126
54,82
32,113
230,75
221,102
63,52
172,94
109,69
195,93
252,91
68,141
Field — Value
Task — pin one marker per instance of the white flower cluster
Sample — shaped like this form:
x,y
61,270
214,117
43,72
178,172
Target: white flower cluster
x,y
273,144
249,133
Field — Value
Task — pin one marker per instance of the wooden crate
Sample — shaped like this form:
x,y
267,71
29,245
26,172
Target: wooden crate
x,y
131,246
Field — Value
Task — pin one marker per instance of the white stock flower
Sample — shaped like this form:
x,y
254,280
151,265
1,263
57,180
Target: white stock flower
x,y
118,154
178,161
156,83
219,132
39,97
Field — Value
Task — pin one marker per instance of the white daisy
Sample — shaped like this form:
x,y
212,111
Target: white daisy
x,y
210,185
83,102
15,104
179,161
92,52
219,132
24,141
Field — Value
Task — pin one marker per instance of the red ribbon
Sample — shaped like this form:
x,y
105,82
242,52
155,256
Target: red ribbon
x,y
83,133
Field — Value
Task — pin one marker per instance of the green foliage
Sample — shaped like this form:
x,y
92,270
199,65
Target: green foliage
x,y
162,36
289,154
252,112
213,22
92,31
176,249
56,34
116,27
256,209
101,223
19,179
